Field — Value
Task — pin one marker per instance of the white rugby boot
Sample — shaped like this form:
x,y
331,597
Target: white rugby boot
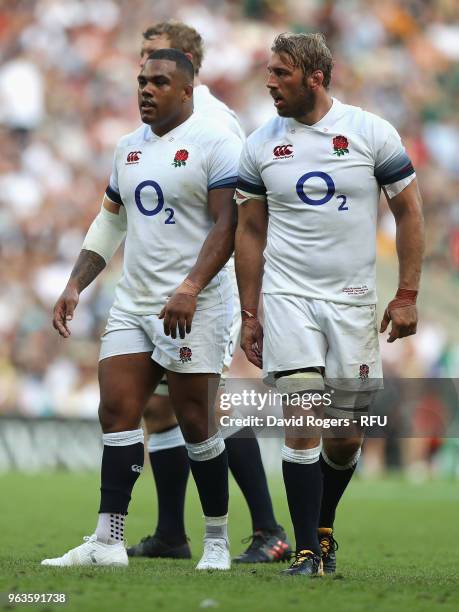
x,y
216,555
92,552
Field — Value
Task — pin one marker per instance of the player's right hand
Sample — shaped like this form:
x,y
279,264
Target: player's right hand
x,y
178,312
252,341
63,310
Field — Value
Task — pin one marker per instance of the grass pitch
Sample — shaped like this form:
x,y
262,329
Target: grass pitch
x,y
398,551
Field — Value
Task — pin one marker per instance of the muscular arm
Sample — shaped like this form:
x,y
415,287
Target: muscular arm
x,y
215,252
250,242
219,244
87,267
407,210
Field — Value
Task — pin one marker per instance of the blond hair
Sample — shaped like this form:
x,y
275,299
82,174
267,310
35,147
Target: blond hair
x,y
181,37
306,51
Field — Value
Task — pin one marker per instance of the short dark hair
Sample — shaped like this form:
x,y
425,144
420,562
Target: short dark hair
x,y
181,36
182,62
307,51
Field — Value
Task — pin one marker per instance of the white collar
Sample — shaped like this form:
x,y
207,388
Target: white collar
x,y
329,117
175,132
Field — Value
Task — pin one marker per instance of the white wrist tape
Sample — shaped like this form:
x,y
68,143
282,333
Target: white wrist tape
x,y
106,233
395,188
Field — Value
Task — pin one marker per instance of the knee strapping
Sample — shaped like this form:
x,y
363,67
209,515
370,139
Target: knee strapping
x,y
300,382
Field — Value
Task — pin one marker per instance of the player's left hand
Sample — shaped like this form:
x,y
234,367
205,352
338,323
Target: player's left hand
x,y
404,322
179,310
252,341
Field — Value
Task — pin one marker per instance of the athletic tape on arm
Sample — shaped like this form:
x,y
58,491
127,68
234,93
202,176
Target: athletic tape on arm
x,y
242,196
395,188
106,233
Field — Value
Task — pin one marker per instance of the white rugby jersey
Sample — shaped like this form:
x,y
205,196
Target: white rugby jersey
x,y
163,183
322,185
211,107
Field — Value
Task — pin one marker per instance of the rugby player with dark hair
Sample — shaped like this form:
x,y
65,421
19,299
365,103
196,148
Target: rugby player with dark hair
x,y
166,446
171,195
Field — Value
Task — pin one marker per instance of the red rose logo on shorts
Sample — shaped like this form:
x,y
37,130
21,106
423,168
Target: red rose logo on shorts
x,y
180,158
364,371
185,354
340,144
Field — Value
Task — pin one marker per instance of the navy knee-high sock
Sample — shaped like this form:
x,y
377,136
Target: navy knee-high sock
x,y
303,484
244,460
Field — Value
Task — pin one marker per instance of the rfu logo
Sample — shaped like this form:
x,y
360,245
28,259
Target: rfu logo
x,y
133,157
137,468
185,354
283,151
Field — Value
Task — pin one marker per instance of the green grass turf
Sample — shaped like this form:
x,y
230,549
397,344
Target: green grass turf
x,y
398,551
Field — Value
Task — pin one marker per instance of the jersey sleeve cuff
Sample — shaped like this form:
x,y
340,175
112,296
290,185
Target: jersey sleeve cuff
x,y
113,195
229,182
256,190
394,170
397,176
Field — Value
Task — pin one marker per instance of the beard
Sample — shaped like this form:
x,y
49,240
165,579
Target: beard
x,y
303,104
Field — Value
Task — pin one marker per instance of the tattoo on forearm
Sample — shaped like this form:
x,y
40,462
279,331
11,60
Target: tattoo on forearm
x,y
87,267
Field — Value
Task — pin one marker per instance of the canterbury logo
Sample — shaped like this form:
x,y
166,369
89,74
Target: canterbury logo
x,y
137,468
133,157
283,150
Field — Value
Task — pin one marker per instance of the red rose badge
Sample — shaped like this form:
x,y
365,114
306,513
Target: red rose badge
x,y
180,158
340,144
185,354
364,370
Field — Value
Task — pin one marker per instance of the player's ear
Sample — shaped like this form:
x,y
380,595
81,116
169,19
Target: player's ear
x,y
315,79
189,56
187,93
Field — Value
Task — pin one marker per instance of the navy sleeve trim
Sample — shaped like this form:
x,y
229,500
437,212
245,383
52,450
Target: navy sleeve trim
x,y
398,175
230,181
250,187
114,196
394,169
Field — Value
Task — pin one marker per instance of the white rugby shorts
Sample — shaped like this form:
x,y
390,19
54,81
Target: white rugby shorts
x,y
235,330
201,351
342,339
232,344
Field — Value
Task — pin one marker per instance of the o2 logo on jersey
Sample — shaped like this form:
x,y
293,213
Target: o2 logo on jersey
x,y
328,183
159,207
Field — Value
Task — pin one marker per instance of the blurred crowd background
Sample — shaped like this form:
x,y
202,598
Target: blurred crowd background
x,y
67,93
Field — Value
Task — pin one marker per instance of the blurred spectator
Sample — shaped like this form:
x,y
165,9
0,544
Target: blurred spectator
x,y
67,93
